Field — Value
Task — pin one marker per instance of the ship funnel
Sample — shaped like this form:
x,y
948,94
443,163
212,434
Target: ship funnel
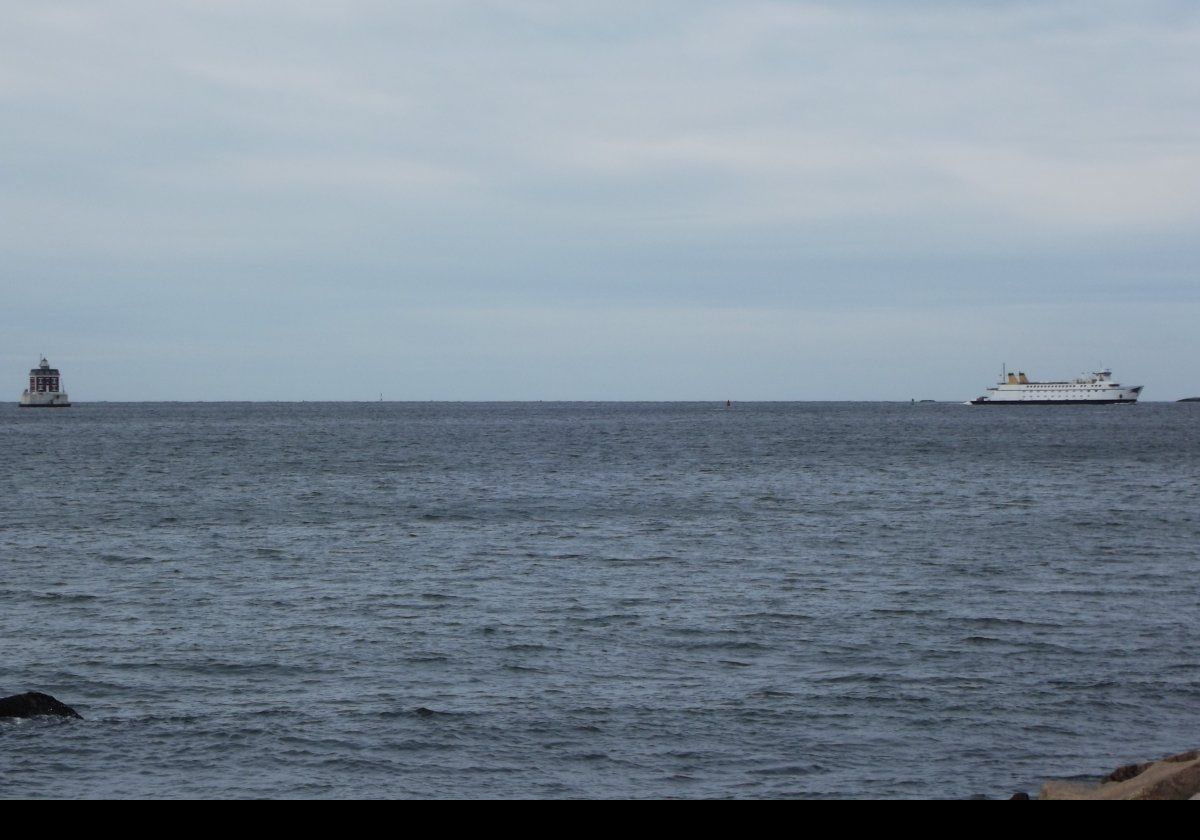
x,y
1024,381
1012,379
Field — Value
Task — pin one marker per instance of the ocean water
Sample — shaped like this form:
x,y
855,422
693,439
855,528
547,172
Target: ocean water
x,y
596,599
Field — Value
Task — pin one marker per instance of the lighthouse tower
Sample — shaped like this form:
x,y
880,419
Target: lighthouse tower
x,y
45,390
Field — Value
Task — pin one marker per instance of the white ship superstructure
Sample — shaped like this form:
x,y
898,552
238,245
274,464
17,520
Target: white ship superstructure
x,y
45,388
1094,389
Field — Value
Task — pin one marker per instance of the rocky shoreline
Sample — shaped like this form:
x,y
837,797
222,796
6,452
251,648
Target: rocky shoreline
x,y
1174,777
35,704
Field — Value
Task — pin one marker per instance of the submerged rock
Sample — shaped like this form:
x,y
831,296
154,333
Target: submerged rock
x,y
1176,777
33,704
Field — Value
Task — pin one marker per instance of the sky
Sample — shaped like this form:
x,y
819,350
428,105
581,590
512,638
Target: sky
x,y
569,200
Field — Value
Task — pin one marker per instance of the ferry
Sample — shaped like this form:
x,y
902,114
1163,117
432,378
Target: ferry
x,y
45,390
1094,389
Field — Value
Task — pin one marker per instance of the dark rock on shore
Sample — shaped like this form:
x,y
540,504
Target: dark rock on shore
x,y
33,704
1175,777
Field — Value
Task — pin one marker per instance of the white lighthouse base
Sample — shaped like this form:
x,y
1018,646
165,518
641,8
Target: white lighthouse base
x,y
52,399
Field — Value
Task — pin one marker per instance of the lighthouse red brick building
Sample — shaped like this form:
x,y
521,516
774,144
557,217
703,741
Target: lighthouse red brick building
x,y
45,388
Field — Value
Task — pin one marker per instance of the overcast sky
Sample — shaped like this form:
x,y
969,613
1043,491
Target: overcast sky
x,y
597,200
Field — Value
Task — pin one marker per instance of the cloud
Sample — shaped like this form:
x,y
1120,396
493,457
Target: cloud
x,y
533,154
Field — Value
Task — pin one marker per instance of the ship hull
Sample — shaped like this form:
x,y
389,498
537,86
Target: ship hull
x,y
1053,402
45,405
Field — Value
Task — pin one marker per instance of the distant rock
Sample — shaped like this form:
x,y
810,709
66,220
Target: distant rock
x,y
1177,777
33,704
1189,399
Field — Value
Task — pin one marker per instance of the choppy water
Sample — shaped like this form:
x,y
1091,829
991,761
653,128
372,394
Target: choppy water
x,y
600,600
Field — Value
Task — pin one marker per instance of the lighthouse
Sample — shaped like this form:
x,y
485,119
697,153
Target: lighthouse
x,y
45,388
